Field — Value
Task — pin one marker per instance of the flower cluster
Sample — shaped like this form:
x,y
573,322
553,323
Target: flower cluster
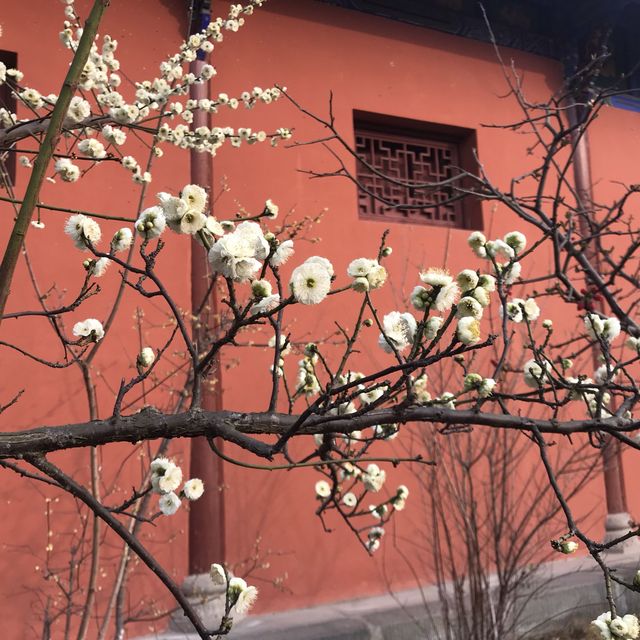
x,y
241,596
371,481
161,95
166,477
367,274
503,253
618,628
605,329
519,309
237,255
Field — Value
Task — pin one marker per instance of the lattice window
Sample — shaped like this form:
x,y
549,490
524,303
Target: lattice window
x,y
8,101
405,160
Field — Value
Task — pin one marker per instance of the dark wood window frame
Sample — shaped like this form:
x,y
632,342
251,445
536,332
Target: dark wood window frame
x,y
412,151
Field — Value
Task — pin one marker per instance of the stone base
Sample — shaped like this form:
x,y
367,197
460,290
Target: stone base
x,y
617,525
567,589
208,600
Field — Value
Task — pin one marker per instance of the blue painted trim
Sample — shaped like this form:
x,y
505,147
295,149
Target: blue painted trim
x,y
626,102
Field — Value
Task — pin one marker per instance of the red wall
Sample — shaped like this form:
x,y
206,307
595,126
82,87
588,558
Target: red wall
x,y
370,64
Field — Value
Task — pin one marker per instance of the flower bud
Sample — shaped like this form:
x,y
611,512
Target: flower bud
x,y
261,288
361,285
145,359
568,546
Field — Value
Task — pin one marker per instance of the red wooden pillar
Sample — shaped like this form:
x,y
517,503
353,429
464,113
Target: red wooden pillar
x,y
615,493
206,515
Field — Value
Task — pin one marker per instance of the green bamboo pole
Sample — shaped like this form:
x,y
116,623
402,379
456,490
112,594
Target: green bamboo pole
x,y
21,225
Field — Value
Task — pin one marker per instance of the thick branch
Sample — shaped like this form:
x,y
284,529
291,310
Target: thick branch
x,y
237,428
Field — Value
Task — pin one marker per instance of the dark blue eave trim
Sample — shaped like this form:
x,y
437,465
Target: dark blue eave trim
x,y
627,102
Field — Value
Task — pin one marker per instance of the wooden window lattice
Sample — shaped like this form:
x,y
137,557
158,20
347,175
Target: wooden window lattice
x,y
409,160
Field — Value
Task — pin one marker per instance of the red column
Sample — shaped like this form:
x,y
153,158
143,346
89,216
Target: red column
x,y
207,515
611,458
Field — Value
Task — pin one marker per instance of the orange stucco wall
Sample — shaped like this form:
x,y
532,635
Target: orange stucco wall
x,y
370,64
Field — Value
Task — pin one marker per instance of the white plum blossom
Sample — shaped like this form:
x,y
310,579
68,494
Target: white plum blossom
x,y
269,303
79,109
261,288
367,274
472,381
307,382
446,290
68,171
510,273
169,503
237,255
436,277
121,240
99,267
516,240
193,489
283,252
606,329
270,209
499,250
146,358
373,479
513,310
90,328
113,135
386,431
518,309
486,387
83,230
619,628
32,98
399,331
349,499
477,241
311,282
469,307
367,396
400,499
217,574
166,476
92,148
241,595
467,280
420,298
432,326
195,197
419,389
447,297
323,489
468,330
482,296
535,374
151,223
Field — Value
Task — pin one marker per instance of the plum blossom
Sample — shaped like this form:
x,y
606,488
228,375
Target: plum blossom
x,y
311,281
91,329
83,230
399,330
